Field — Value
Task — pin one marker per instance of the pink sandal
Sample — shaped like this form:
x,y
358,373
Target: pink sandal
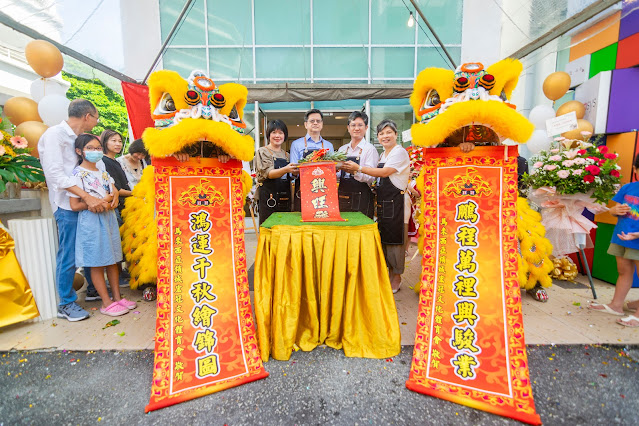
x,y
114,310
127,303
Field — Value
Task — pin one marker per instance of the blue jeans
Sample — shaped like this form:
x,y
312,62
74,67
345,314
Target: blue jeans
x,y
67,221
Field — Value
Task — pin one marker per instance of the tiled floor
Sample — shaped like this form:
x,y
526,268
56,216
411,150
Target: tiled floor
x,y
563,319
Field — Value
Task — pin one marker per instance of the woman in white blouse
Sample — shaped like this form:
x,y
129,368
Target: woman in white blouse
x,y
134,162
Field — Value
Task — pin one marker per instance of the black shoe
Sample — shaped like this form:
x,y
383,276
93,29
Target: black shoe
x,y
92,295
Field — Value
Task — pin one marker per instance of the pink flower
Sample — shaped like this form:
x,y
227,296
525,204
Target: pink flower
x,y
554,151
559,138
580,161
568,163
610,156
538,164
2,151
550,167
555,158
594,170
563,174
614,173
19,142
589,178
577,172
603,149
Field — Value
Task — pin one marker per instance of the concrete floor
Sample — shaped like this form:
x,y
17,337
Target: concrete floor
x,y
564,319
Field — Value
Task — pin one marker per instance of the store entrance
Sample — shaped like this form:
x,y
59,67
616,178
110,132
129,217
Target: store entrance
x,y
334,130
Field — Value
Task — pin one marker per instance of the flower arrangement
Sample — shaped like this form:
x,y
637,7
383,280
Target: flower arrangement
x,y
323,155
16,164
585,169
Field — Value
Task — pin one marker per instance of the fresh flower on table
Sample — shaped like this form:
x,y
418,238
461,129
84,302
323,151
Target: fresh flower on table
x,y
567,178
16,164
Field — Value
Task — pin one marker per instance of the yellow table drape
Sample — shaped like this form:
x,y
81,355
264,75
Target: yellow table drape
x,y
16,298
324,285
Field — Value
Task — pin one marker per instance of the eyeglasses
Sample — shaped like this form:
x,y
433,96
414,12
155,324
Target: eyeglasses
x,y
97,119
99,148
315,121
357,125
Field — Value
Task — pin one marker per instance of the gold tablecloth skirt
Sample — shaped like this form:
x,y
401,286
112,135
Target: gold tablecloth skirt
x,y
327,285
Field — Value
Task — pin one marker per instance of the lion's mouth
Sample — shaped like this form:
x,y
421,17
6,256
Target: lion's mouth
x,y
475,133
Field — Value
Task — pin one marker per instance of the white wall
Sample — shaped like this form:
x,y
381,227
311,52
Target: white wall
x,y
481,32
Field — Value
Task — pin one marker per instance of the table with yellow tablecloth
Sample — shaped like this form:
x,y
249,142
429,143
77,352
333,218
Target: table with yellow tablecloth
x,y
323,283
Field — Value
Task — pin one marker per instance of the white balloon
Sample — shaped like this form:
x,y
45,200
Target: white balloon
x,y
45,86
53,109
539,114
538,141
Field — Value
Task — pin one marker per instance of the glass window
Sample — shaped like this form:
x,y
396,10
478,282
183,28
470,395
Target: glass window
x,y
185,60
445,16
388,23
392,62
398,110
284,22
231,64
286,106
348,105
428,57
230,23
283,62
340,62
191,30
340,22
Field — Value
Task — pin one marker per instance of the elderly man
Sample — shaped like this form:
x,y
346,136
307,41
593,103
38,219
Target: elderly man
x,y
311,142
58,158
355,193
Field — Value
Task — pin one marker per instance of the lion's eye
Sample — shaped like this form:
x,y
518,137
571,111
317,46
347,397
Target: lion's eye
x,y
166,105
432,99
503,96
233,115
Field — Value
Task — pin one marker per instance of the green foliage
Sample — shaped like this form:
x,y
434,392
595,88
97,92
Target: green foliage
x,y
109,103
16,165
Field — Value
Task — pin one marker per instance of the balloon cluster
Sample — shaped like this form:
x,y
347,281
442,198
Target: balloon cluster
x,y
555,86
49,104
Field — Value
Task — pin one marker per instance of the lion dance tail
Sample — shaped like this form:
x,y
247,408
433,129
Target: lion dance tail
x,y
139,231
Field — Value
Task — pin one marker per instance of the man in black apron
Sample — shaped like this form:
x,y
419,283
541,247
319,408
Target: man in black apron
x,y
354,190
392,171
311,142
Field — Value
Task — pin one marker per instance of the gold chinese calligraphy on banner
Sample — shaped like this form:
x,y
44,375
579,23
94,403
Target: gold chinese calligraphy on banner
x,y
318,189
205,339
470,345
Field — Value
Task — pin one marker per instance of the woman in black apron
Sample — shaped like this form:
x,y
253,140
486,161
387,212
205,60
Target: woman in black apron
x,y
392,172
273,168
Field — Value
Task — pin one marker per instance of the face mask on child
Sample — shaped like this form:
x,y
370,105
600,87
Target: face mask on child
x,y
93,156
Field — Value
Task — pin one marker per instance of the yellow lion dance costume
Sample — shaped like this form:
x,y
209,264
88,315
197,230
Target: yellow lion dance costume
x,y
191,116
470,106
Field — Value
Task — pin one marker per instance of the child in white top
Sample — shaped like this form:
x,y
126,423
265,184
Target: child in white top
x,y
97,241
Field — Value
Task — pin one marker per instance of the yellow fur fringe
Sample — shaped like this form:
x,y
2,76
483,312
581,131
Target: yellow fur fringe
x,y
235,95
170,82
139,231
507,122
162,143
506,73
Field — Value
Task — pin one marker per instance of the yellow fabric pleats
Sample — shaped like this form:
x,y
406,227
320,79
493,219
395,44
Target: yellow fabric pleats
x,y
16,299
324,285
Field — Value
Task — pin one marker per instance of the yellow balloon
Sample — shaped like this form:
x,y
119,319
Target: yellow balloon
x,y
20,109
571,106
582,126
45,59
31,130
556,85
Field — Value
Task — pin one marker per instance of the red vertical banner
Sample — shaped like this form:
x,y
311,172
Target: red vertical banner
x,y
469,346
318,189
205,337
136,98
